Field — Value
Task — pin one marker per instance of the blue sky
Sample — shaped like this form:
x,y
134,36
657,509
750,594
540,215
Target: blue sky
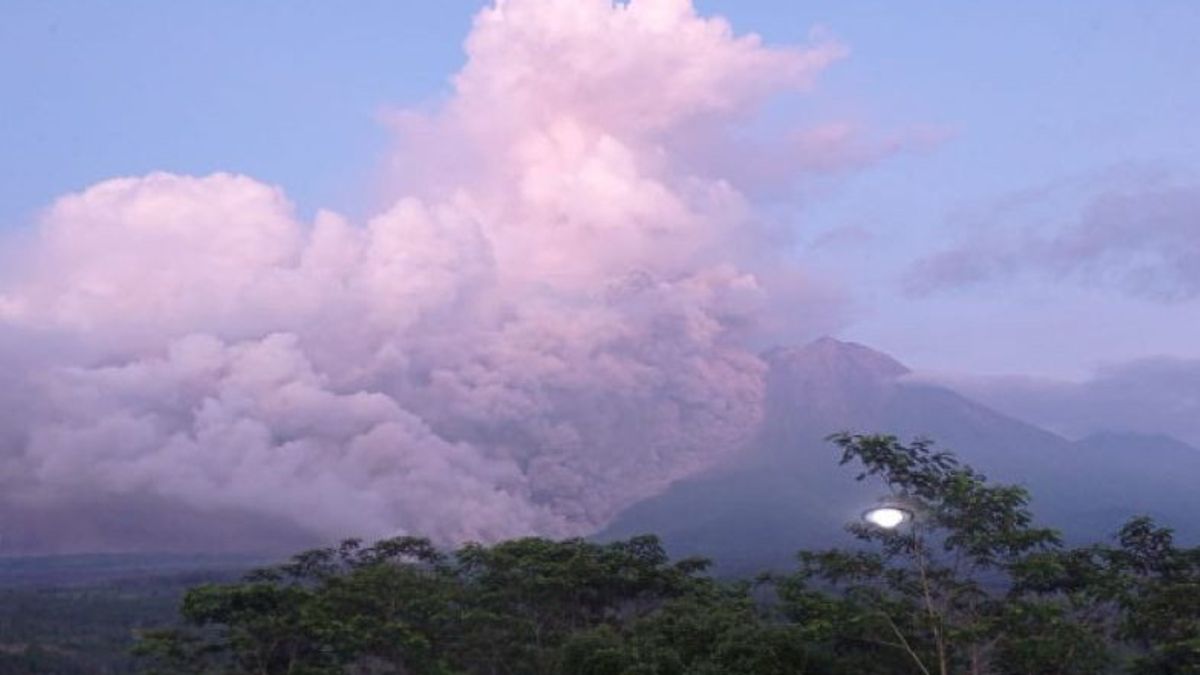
x,y
1045,104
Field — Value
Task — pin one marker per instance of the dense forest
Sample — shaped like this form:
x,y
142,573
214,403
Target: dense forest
x,y
82,614
969,583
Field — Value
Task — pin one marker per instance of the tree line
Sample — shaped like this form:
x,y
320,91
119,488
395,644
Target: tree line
x,y
969,584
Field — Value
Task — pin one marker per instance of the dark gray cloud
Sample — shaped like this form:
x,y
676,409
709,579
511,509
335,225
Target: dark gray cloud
x,y
1143,241
1154,395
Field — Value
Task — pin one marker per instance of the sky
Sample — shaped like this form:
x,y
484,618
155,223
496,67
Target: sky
x,y
399,266
1031,110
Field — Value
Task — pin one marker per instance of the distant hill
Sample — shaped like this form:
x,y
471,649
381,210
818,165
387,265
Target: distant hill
x,y
131,524
61,571
76,614
787,491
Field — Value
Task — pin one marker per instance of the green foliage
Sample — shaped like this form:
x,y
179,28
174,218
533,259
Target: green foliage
x,y
935,591
527,606
969,585
1158,591
719,631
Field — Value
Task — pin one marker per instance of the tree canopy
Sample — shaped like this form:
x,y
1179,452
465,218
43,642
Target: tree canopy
x,y
969,584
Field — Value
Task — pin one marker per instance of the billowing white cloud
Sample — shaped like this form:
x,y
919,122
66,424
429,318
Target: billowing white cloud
x,y
555,318
254,426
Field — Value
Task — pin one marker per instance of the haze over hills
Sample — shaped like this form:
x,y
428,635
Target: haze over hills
x,y
432,311
788,491
785,492
548,304
754,512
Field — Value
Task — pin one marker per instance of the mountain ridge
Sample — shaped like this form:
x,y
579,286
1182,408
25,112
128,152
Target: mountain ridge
x,y
787,492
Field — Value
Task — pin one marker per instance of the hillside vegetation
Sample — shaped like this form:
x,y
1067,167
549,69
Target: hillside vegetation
x,y
970,584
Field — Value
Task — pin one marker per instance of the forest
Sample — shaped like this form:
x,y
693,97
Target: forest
x,y
968,584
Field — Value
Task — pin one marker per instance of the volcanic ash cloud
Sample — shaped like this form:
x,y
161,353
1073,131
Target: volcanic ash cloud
x,y
553,320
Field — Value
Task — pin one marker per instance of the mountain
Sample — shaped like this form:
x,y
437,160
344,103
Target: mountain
x,y
93,570
787,491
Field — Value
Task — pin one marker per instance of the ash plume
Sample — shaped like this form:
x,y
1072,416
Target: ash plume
x,y
558,315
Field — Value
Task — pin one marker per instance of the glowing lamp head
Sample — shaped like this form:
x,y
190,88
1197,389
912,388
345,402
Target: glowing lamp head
x,y
887,517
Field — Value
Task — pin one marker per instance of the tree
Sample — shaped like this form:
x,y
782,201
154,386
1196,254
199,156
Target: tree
x,y
969,584
939,591
525,598
400,606
327,610
1158,591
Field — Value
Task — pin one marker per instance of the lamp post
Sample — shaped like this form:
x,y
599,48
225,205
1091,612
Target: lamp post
x,y
888,515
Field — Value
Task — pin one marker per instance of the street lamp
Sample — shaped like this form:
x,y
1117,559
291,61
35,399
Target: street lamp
x,y
887,516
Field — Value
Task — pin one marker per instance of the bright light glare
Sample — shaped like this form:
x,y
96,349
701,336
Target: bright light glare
x,y
886,517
